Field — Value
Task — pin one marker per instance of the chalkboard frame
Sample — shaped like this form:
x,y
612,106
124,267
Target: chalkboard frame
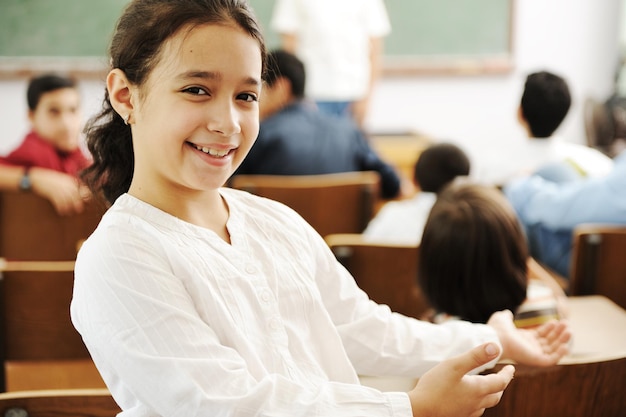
x,y
392,65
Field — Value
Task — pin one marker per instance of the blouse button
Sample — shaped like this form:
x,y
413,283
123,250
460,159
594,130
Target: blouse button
x,y
265,296
274,324
250,269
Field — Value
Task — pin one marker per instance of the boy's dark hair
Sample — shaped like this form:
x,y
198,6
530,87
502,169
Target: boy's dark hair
x,y
281,63
545,102
42,84
473,253
439,164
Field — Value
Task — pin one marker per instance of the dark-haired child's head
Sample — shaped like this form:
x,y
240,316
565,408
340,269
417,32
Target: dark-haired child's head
x,y
42,84
439,164
281,63
473,253
545,103
54,110
285,80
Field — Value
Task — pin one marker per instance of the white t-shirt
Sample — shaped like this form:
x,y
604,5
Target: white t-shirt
x,y
333,42
501,163
401,222
180,322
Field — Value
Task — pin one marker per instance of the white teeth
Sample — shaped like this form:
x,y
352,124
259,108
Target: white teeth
x,y
212,152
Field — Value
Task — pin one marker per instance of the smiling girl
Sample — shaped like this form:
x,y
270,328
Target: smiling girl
x,y
199,300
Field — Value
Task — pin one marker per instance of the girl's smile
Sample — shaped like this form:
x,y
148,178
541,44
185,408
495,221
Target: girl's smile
x,y
214,154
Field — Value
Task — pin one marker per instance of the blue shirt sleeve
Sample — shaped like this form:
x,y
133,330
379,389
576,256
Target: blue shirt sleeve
x,y
565,205
370,161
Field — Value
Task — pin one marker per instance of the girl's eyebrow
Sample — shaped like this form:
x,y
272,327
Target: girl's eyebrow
x,y
212,75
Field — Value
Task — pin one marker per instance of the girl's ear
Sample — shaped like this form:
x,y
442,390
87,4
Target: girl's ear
x,y
119,89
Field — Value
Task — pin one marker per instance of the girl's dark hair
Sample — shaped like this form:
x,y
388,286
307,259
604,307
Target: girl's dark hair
x,y
473,253
141,31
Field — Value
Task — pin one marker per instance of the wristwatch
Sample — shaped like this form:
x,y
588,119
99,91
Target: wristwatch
x,y
25,184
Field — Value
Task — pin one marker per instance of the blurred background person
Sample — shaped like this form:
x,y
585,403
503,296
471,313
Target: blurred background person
x,y
475,226
340,43
295,138
402,222
544,105
50,158
550,211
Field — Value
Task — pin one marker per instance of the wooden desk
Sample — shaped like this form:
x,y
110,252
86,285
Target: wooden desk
x,y
401,151
598,328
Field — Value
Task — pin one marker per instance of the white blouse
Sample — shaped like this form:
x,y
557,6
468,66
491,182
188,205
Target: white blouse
x,y
181,323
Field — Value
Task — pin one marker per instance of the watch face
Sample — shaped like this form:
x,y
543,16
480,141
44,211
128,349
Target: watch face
x,y
25,182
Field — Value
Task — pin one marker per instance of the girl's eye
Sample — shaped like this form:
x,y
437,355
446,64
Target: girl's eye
x,y
197,91
247,97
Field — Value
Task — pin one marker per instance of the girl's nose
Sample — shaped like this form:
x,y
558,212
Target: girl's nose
x,y
224,119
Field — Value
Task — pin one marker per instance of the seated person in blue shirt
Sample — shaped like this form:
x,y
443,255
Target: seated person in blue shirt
x,y
296,139
551,210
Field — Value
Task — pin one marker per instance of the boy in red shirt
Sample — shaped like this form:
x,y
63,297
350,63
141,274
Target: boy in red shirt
x,y
49,159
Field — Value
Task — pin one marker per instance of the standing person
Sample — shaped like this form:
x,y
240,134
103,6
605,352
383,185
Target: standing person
x,y
195,299
49,158
402,222
297,139
341,44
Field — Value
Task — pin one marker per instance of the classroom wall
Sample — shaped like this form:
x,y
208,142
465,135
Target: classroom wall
x,y
576,38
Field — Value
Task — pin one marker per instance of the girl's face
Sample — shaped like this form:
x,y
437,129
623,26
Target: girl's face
x,y
197,116
57,118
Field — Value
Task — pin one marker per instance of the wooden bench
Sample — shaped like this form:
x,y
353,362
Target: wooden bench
x,y
331,203
31,229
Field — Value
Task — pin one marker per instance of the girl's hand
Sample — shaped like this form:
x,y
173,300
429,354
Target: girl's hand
x,y
447,390
544,345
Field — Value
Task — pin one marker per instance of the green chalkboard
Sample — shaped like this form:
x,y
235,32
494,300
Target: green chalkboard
x,y
422,30
448,27
59,28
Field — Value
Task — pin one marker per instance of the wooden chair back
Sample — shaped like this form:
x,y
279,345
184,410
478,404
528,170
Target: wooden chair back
x,y
599,262
39,347
31,229
59,403
573,390
598,125
387,273
331,203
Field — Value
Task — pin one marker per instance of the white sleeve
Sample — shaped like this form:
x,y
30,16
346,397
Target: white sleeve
x,y
378,24
380,342
159,357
